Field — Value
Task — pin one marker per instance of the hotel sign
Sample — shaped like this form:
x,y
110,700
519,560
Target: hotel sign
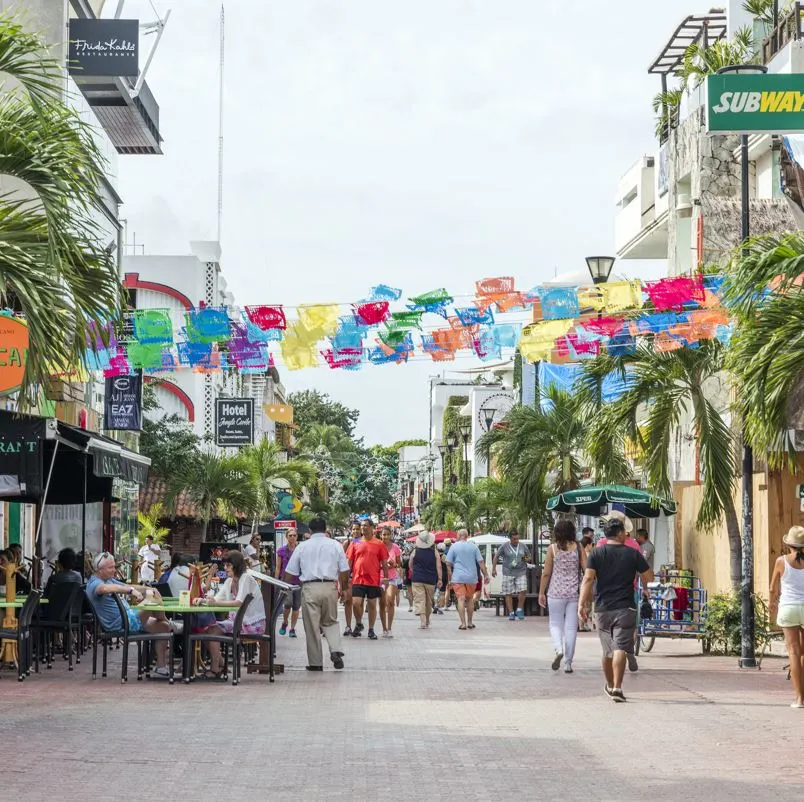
x,y
755,103
234,421
104,47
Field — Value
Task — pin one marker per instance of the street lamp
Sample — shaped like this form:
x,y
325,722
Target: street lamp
x,y
466,430
488,419
452,444
442,450
747,628
600,268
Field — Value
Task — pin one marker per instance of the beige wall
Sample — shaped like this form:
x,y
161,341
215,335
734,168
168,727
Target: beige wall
x,y
776,508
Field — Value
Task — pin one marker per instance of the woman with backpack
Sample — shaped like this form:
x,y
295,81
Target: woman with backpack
x,y
559,589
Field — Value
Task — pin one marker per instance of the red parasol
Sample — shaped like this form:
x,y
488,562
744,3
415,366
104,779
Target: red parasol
x,y
440,537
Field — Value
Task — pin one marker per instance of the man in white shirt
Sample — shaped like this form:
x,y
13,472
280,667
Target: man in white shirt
x,y
253,552
148,555
319,563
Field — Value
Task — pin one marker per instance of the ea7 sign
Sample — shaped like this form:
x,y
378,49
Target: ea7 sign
x,y
122,406
234,421
755,103
104,47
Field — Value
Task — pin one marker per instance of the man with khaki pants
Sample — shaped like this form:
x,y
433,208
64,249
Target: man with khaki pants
x,y
319,563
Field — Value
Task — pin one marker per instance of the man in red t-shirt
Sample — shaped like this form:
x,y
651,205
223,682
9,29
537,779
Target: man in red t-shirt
x,y
368,560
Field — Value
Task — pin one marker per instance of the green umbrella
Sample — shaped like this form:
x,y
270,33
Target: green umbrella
x,y
593,500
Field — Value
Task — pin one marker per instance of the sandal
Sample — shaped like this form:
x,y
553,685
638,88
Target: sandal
x,y
471,626
461,627
212,676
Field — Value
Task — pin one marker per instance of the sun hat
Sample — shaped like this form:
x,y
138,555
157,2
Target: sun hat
x,y
425,540
794,537
616,515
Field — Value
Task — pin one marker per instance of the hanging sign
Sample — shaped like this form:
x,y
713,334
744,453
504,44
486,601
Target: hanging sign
x,y
755,103
122,406
284,524
104,47
234,421
13,350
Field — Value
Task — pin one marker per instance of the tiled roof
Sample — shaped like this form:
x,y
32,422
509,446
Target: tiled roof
x,y
154,492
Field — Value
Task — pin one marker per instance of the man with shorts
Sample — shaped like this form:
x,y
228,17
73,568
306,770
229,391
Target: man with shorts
x,y
515,558
293,597
354,537
99,589
614,567
368,559
463,560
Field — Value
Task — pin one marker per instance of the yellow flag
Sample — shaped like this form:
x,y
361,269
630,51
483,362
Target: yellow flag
x,y
281,413
297,353
621,295
317,321
538,339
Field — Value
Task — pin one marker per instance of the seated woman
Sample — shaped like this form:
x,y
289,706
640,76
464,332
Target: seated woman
x,y
178,577
11,557
65,572
237,586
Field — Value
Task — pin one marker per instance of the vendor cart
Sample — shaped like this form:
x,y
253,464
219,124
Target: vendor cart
x,y
679,610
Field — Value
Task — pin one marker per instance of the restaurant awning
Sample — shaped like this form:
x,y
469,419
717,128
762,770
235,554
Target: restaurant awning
x,y
34,449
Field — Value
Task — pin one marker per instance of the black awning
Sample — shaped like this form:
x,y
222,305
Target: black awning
x,y
110,458
27,447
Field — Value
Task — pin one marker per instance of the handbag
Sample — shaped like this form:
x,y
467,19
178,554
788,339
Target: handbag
x,y
646,610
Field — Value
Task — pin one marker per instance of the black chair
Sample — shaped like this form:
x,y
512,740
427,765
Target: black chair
x,y
273,599
62,615
226,640
22,634
127,637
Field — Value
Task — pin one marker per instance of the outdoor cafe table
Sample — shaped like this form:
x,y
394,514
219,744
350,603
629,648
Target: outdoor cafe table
x,y
18,602
167,606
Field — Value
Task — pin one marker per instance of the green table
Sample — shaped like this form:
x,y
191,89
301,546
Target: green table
x,y
184,609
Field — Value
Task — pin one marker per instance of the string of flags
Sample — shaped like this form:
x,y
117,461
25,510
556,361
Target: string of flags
x,y
567,324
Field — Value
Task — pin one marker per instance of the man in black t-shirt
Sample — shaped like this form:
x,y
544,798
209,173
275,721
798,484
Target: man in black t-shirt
x,y
614,568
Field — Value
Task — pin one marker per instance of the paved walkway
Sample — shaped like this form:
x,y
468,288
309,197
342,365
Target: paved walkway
x,y
427,715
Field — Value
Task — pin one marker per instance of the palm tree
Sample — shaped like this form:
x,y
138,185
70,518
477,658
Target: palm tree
x,y
766,353
218,486
664,386
499,506
323,442
54,267
268,464
454,506
149,524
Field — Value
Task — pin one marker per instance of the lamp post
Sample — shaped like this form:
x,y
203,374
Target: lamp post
x,y
442,450
747,622
600,268
452,444
488,419
466,430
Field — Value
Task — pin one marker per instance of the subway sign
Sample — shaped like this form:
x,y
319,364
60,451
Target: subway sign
x,y
757,103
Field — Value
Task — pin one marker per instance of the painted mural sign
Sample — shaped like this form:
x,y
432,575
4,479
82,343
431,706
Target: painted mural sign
x,y
13,352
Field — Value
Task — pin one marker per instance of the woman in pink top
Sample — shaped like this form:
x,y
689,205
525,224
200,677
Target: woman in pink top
x,y
390,593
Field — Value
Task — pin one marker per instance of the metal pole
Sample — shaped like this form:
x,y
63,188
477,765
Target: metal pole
x,y
84,522
747,623
488,474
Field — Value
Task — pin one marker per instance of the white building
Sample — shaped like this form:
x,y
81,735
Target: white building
x,y
180,283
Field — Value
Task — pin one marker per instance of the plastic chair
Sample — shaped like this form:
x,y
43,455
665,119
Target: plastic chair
x,y
127,637
22,634
62,615
226,640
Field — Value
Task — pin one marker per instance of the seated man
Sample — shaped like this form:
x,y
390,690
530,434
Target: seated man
x,y
102,583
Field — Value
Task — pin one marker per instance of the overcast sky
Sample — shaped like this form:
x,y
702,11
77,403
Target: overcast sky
x,y
416,143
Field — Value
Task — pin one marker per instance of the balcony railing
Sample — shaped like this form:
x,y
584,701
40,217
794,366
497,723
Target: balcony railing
x,y
789,29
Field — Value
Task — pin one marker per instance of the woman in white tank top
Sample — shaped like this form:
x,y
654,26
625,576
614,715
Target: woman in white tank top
x,y
787,596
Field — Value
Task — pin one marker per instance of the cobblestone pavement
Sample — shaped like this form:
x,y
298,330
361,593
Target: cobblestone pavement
x,y
476,715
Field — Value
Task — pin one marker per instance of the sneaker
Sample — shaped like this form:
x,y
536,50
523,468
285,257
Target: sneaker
x,y
617,695
347,632
389,634
292,633
410,609
608,691
161,672
520,614
632,663
337,659
356,633
385,633
568,668
371,635
439,612
283,630
556,664
359,626
512,616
